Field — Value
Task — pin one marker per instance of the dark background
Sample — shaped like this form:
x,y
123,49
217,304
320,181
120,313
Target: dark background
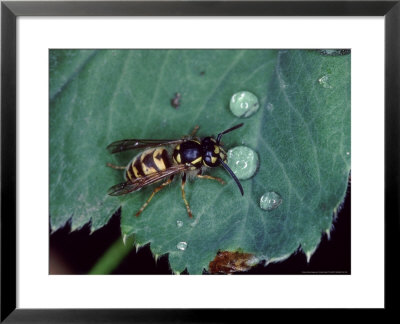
x,y
76,252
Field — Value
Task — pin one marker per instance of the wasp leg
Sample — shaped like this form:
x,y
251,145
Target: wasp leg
x,y
192,134
211,178
166,183
116,167
184,196
194,131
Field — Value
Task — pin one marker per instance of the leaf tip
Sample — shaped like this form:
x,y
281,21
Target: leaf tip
x,y
124,237
278,259
309,254
328,233
156,257
138,247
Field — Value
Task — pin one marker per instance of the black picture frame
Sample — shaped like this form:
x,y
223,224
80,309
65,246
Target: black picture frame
x,y
11,10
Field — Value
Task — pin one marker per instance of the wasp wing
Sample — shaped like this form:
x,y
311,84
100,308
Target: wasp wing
x,y
131,144
138,183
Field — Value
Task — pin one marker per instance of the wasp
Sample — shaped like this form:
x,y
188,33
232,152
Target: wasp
x,y
163,159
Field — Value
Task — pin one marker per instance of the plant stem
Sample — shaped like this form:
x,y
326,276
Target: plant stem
x,y
112,257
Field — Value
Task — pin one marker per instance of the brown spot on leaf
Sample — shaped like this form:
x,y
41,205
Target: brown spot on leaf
x,y
229,262
176,100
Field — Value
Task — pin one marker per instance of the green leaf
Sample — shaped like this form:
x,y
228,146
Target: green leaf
x,y
301,133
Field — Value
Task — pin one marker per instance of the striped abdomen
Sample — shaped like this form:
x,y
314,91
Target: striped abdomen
x,y
148,162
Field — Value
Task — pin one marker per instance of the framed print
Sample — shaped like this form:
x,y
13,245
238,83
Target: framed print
x,y
250,146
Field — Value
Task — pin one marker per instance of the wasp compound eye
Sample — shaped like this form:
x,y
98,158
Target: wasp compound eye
x,y
212,152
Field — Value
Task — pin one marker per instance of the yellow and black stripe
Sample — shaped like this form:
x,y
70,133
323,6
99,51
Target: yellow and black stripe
x,y
149,162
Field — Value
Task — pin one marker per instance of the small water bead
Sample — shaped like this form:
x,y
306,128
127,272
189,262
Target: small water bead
x,y
270,200
179,223
244,104
324,82
181,246
282,84
243,161
270,107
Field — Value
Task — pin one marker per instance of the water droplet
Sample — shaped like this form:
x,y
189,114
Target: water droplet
x,y
270,200
243,161
244,104
270,107
282,84
179,223
335,52
347,153
324,82
181,246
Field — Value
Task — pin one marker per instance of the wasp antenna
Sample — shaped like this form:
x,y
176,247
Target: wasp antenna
x,y
232,174
227,131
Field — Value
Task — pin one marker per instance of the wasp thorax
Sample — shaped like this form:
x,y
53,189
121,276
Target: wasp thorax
x,y
188,152
212,152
